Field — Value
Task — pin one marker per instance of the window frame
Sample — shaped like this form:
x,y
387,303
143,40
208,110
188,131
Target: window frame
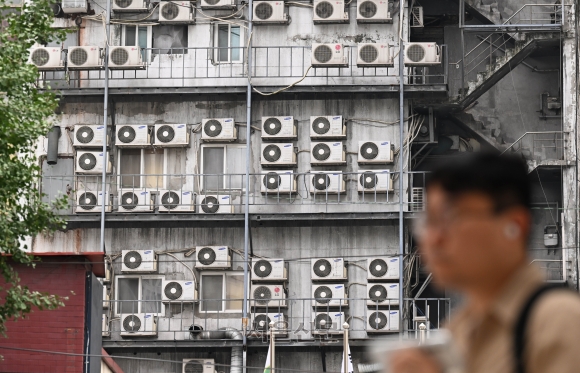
x,y
146,53
224,187
142,174
215,39
224,301
140,277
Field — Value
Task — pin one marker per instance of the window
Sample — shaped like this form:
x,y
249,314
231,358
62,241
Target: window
x,y
138,294
170,39
141,168
137,36
227,40
218,287
223,167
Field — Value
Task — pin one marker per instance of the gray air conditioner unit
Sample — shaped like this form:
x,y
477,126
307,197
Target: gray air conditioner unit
x,y
269,270
222,129
268,296
422,54
327,127
213,257
136,135
278,155
87,136
178,291
214,204
278,182
174,135
176,12
130,6
176,201
329,11
328,269
374,181
74,6
383,268
84,58
261,323
46,58
88,202
327,182
373,11
272,12
328,322
91,163
327,153
138,261
135,200
375,152
383,295
329,295
329,55
126,58
374,55
138,325
383,321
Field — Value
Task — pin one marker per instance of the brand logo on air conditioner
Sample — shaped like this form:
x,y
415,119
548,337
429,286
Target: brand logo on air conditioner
x,y
288,145
337,260
337,46
227,120
144,193
288,118
394,260
385,143
277,316
181,126
336,144
187,283
227,197
338,287
393,286
186,193
141,127
100,127
278,261
394,312
100,154
338,315
147,316
222,248
277,290
335,118
147,252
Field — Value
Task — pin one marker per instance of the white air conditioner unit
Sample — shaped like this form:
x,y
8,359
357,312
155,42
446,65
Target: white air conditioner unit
x,y
74,6
106,297
135,200
213,257
91,163
176,201
278,155
223,129
327,182
328,269
84,58
133,135
105,326
417,199
138,261
373,11
268,296
327,127
417,16
126,58
199,365
269,12
130,6
383,295
383,321
278,182
175,135
422,54
327,153
88,201
374,181
329,11
329,295
279,128
176,12
214,204
46,58
269,270
261,323
329,55
374,55
375,152
218,4
328,322
138,325
182,291
89,135
383,268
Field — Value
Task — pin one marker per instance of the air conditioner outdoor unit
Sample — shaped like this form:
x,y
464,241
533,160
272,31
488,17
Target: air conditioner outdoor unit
x,y
279,128
218,4
261,323
91,163
375,152
278,155
176,201
126,58
327,182
383,268
89,135
46,58
328,269
374,55
327,127
139,261
269,12
88,201
182,291
133,135
383,321
383,295
130,6
223,129
329,11
329,295
138,325
269,270
327,153
74,6
135,200
373,11
215,204
417,199
278,182
328,322
199,366
213,257
84,58
106,297
105,327
328,55
268,296
417,16
174,135
176,12
422,54
374,181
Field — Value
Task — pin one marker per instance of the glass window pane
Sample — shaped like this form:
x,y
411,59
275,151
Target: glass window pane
x,y
235,167
213,165
153,165
130,168
130,35
128,293
234,290
170,39
151,295
223,42
142,40
235,42
211,288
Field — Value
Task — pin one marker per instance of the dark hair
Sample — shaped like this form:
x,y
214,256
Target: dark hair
x,y
504,178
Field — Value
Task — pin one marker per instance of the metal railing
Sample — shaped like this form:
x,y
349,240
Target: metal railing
x,y
537,14
540,146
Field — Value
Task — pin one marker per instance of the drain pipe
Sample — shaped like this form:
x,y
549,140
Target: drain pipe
x,y
236,364
105,117
401,161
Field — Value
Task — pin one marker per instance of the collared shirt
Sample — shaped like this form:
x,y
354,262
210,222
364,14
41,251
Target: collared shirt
x,y
486,340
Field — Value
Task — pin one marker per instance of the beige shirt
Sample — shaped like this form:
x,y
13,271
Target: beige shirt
x,y
552,332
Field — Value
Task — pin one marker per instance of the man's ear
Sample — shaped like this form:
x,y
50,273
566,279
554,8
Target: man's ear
x,y
517,225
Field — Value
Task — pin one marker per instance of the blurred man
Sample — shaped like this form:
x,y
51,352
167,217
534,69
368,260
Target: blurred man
x,y
473,239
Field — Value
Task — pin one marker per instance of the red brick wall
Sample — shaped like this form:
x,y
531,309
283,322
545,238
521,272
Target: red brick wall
x,y
58,330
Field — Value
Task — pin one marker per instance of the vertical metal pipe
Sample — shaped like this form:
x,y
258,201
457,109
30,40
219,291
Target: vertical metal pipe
x,y
402,150
105,115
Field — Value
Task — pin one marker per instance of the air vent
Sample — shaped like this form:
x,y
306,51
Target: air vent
x,y
373,11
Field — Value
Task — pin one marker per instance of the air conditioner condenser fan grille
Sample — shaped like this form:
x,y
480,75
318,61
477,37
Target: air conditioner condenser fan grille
x,y
170,11
264,11
87,161
378,320
272,153
85,135
321,152
165,133
262,323
170,200
212,2
369,150
127,134
322,268
368,54
210,205
129,200
132,260
78,56
368,180
378,267
321,125
272,126
206,256
415,53
368,9
327,324
324,9
323,53
262,268
119,56
88,201
323,294
193,367
40,57
173,290
272,181
321,182
123,3
262,295
132,323
378,293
